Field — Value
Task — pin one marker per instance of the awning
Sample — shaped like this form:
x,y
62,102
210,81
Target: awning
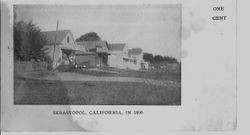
x,y
73,47
84,53
103,53
68,48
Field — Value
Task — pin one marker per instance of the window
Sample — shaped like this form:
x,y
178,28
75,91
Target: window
x,y
67,39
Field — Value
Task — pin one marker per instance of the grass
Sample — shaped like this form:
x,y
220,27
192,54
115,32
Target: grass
x,y
151,74
28,91
44,92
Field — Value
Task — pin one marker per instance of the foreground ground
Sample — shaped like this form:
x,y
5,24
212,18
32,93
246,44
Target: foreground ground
x,y
125,88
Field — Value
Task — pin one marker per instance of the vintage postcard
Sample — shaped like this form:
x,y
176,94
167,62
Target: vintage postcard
x,y
118,66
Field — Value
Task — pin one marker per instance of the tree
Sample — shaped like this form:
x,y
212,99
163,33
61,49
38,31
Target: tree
x,y
91,36
148,57
28,41
158,58
170,59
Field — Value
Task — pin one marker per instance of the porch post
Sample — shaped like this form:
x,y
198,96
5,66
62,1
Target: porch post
x,y
100,61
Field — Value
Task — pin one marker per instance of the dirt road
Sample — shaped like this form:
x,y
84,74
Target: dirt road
x,y
68,76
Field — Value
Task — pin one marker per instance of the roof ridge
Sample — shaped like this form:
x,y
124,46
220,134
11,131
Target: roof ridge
x,y
135,48
56,30
93,41
115,43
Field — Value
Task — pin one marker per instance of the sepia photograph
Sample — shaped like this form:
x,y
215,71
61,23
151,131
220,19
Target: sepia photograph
x,y
108,66
97,54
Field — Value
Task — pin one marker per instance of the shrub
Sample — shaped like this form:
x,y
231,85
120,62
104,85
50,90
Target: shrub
x,y
65,68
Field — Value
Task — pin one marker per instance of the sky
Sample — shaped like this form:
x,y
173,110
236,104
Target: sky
x,y
154,28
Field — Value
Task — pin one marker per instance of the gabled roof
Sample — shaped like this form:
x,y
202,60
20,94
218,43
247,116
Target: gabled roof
x,y
116,46
59,35
92,45
135,51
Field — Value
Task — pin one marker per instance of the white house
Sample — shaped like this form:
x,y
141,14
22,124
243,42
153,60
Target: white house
x,y
58,46
118,55
137,55
124,58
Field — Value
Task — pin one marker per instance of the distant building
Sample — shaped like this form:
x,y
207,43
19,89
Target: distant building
x,y
118,55
137,55
96,54
124,58
60,46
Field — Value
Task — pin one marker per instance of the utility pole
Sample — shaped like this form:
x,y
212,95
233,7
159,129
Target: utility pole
x,y
57,23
